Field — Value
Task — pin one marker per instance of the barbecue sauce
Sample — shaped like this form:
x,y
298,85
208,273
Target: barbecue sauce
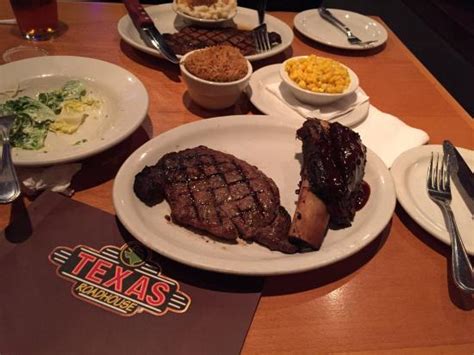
x,y
362,196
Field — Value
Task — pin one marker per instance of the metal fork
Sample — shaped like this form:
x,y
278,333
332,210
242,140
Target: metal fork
x,y
9,185
439,190
262,40
328,16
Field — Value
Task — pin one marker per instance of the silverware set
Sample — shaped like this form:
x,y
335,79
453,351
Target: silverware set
x,y
438,186
351,38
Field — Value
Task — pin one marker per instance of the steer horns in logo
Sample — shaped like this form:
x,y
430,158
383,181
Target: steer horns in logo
x,y
123,280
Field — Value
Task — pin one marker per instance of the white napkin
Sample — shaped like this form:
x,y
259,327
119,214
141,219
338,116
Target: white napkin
x,y
383,133
56,178
326,112
388,136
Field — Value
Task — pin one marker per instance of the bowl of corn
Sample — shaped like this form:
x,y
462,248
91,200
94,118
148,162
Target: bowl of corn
x,y
317,80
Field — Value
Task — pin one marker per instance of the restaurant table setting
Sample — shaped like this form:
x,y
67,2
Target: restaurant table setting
x,y
228,263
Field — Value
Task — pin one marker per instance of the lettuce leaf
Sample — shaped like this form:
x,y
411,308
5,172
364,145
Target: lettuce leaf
x,y
34,117
32,121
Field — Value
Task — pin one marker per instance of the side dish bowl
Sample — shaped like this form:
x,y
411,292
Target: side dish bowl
x,y
316,98
210,94
203,21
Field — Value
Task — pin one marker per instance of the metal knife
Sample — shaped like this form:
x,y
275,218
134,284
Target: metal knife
x,y
461,174
333,19
149,33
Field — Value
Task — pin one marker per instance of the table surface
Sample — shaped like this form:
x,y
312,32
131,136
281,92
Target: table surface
x,y
396,293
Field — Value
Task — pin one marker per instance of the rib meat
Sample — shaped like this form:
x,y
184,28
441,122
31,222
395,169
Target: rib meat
x,y
217,193
334,161
191,37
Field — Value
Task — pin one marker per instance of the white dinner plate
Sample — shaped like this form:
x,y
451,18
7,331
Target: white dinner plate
x,y
313,26
409,174
269,143
167,21
269,104
124,98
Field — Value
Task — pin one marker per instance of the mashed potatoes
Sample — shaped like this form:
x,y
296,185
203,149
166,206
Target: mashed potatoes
x,y
207,9
318,74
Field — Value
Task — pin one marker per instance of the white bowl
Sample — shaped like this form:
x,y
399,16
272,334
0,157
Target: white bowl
x,y
210,94
316,98
202,21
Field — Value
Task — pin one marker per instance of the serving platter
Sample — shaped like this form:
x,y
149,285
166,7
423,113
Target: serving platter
x,y
167,21
409,174
313,26
269,143
123,96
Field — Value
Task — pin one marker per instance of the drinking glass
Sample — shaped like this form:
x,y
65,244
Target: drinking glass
x,y
37,19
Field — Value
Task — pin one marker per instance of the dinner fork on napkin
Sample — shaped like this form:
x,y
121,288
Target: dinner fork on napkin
x,y
326,112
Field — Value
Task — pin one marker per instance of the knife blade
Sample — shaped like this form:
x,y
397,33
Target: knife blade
x,y
461,174
148,31
325,14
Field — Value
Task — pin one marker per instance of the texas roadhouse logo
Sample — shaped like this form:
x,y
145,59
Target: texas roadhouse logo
x,y
122,280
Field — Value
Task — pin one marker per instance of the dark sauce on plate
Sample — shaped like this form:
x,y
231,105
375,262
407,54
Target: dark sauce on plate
x,y
362,196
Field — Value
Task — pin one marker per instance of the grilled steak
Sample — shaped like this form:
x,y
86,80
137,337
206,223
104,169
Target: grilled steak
x,y
334,162
191,37
217,193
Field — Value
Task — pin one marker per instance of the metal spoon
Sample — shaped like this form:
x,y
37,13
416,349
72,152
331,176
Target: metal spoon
x,y
9,184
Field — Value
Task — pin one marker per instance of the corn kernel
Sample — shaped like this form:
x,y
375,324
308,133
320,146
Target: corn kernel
x,y
318,74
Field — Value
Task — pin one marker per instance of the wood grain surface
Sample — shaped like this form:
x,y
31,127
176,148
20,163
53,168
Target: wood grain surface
x,y
394,295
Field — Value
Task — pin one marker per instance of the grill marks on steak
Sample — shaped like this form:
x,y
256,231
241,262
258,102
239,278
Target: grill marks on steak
x,y
191,37
218,193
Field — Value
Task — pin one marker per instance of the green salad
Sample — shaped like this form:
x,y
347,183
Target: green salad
x,y
60,111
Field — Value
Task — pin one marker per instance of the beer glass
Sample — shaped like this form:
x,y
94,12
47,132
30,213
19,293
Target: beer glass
x,y
37,19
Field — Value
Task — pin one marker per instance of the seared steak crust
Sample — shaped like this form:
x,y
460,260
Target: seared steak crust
x,y
191,37
217,193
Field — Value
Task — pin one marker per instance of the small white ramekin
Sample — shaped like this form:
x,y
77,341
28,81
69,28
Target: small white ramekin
x,y
210,94
315,98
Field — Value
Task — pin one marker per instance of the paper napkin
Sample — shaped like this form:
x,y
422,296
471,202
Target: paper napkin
x,y
326,112
56,178
383,133
388,136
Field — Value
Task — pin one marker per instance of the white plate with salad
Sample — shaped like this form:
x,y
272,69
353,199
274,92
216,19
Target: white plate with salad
x,y
68,108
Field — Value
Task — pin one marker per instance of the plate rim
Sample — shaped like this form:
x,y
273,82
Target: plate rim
x,y
369,236
258,74
398,170
125,21
300,15
102,145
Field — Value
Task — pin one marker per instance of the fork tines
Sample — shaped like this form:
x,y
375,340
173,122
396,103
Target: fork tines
x,y
262,40
438,177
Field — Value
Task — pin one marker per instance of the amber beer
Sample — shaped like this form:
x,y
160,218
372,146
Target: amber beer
x,y
37,19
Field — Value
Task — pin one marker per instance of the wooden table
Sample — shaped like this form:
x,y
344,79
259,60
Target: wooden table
x,y
396,294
